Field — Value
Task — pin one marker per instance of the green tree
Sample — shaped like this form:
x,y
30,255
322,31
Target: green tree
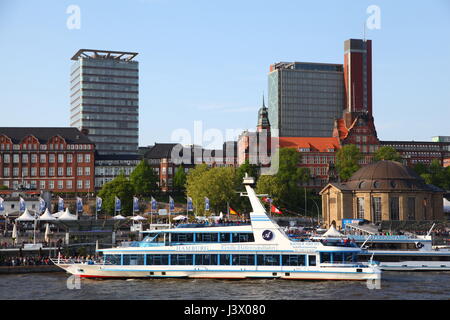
x,y
387,153
179,179
246,167
347,161
435,174
144,180
284,186
217,184
119,187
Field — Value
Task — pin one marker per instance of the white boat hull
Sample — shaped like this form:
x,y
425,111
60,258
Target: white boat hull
x,y
415,266
219,272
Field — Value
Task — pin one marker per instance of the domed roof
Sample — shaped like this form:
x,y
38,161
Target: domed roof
x,y
387,175
385,169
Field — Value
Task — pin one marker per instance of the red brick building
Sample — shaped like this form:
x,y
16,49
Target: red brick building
x,y
318,155
51,159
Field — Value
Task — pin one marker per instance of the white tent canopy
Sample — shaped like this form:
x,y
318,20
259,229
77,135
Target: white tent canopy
x,y
180,217
26,216
138,218
47,216
446,205
119,217
332,232
58,214
47,233
67,216
14,233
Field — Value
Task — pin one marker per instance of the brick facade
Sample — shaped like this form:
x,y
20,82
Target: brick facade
x,y
52,159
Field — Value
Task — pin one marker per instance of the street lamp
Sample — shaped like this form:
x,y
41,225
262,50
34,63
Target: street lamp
x,y
318,219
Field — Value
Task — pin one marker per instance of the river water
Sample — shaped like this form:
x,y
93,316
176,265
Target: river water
x,y
394,285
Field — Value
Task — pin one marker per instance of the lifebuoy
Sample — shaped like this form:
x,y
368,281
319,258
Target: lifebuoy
x,y
419,245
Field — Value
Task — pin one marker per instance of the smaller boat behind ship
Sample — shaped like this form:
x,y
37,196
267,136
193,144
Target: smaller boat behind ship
x,y
403,252
258,250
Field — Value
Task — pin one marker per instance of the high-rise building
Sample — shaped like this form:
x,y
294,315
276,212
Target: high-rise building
x,y
104,99
357,78
305,98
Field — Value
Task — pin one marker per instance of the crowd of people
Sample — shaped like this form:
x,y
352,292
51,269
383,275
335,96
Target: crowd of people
x,y
24,261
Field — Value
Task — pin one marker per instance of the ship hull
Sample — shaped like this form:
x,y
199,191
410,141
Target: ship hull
x,y
295,273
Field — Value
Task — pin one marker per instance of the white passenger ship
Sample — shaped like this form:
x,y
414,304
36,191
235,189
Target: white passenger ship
x,y
407,252
258,250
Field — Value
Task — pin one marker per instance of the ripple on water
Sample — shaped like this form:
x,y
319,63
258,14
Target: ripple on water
x,y
394,285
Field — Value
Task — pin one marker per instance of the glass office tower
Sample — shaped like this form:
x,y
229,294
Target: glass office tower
x,y
104,99
305,98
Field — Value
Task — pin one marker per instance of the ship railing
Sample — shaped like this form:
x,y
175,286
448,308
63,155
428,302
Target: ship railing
x,y
78,261
344,264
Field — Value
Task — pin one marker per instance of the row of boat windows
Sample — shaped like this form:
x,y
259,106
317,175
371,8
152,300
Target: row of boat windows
x,y
400,258
206,237
211,259
393,246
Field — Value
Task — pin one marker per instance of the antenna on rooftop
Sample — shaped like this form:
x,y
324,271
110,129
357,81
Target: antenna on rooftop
x,y
364,31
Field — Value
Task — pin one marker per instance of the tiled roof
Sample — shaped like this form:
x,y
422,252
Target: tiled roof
x,y
160,150
321,144
43,134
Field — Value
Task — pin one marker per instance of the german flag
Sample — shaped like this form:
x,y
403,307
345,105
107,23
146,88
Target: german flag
x,y
233,211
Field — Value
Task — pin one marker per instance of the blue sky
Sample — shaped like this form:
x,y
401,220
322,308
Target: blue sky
x,y
208,60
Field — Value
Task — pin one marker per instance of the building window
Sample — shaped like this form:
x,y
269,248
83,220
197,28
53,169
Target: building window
x,y
69,184
60,158
24,158
411,208
6,158
33,172
51,171
42,184
79,171
42,172
60,171
24,172
394,208
51,184
15,158
34,158
87,171
360,204
15,172
87,158
33,184
80,184
60,184
69,158
43,158
87,184
51,158
69,171
79,158
376,207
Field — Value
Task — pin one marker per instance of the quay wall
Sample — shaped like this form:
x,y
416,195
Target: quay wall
x,y
29,269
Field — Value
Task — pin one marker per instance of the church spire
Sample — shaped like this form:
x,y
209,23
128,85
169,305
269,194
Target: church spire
x,y
263,117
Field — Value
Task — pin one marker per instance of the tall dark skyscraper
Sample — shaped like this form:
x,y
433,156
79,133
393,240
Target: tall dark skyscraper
x,y
104,99
305,98
358,77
